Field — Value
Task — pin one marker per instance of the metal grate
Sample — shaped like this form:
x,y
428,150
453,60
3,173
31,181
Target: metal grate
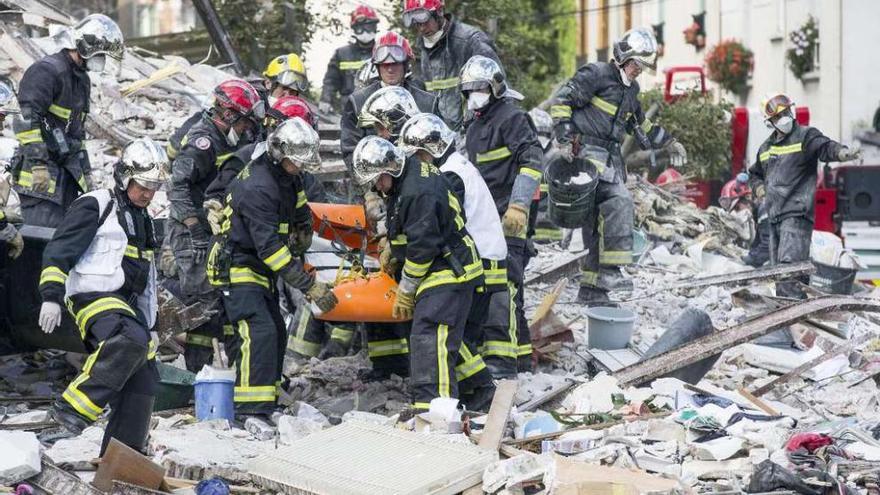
x,y
363,459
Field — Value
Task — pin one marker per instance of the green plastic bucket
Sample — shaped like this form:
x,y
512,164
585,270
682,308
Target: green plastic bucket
x,y
570,194
175,388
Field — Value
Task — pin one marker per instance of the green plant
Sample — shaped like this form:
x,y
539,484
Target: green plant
x,y
702,126
802,56
729,64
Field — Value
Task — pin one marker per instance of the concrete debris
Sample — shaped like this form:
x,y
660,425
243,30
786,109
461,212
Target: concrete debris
x,y
291,428
19,456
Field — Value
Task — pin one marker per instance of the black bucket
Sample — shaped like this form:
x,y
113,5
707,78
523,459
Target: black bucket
x,y
833,279
569,202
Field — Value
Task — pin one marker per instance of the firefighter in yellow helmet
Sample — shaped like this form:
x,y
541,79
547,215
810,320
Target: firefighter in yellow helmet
x,y
285,76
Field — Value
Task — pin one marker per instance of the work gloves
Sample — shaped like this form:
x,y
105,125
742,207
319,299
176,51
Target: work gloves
x,y
167,264
13,238
374,208
50,316
322,295
564,141
216,217
200,239
677,153
301,238
41,180
514,221
404,305
847,154
387,262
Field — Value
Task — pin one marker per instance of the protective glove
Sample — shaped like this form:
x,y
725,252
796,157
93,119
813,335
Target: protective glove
x,y
848,154
760,191
325,107
404,305
12,236
214,212
387,262
167,264
199,238
301,238
322,295
50,316
677,153
742,177
40,179
514,221
563,132
374,207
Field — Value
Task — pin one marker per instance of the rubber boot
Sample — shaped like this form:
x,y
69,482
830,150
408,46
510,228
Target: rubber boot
x,y
611,278
70,424
594,296
130,422
525,364
479,399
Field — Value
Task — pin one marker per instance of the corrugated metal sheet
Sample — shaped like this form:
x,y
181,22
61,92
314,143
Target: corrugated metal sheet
x,y
362,459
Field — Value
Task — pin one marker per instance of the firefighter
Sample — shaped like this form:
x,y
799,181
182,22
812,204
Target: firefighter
x,y
349,59
253,249
541,228
784,175
51,167
502,143
441,271
489,328
446,44
736,197
392,56
235,115
100,263
10,237
592,111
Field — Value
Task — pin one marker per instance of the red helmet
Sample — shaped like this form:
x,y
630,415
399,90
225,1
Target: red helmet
x,y
668,176
391,48
363,14
240,98
419,11
732,193
288,107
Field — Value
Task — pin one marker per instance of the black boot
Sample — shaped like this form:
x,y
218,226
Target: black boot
x,y
593,296
130,422
501,368
525,364
611,278
70,424
479,399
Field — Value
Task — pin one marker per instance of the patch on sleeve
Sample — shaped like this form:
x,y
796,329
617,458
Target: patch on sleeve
x,y
202,143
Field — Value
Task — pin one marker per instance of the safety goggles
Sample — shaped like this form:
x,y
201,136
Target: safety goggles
x,y
776,106
390,54
364,27
416,16
293,80
152,185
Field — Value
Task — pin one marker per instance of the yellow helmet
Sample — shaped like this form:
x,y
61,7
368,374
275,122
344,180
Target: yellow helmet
x,y
288,71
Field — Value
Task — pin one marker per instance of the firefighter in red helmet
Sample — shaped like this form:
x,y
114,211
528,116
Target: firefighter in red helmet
x,y
349,59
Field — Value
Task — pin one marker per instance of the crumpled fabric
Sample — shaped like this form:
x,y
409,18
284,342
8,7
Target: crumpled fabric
x,y
213,486
701,400
769,476
808,441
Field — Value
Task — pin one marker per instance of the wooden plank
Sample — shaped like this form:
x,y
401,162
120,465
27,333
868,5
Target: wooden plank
x,y
565,268
493,432
757,402
122,463
554,392
710,345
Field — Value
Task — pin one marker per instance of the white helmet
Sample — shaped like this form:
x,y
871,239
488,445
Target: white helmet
x,y
8,101
144,162
375,156
637,44
389,107
427,132
96,34
296,140
481,72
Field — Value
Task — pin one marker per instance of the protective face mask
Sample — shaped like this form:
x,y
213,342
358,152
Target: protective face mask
x,y
626,81
272,101
96,63
477,101
365,38
432,40
784,124
232,136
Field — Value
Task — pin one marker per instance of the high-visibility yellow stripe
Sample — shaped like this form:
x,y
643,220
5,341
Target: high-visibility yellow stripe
x,y
244,367
607,107
421,405
493,155
560,111
255,394
647,125
492,275
535,174
390,347
443,385
444,277
498,348
59,111
28,137
547,234
84,316
589,278
135,252
512,322
26,179
545,187
351,64
524,350
417,270
244,275
454,204
284,228
471,364
615,257
297,342
780,150
151,350
52,274
441,84
75,397
400,240
301,199
221,159
340,334
279,259
199,340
